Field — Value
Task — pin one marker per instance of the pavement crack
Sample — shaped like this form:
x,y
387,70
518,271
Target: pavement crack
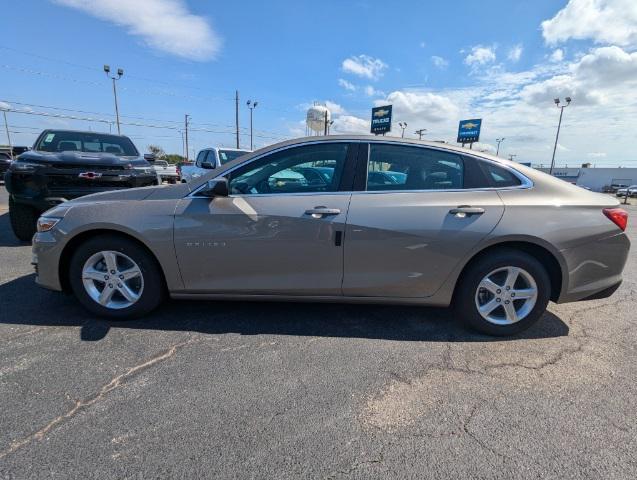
x,y
81,405
465,428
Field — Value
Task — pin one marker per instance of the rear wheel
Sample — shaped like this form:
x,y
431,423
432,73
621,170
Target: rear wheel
x,y
503,293
23,220
115,277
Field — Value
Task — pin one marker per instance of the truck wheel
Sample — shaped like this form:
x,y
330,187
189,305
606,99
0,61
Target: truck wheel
x,y
503,293
23,220
115,277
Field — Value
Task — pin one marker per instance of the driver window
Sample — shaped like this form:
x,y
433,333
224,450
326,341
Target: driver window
x,y
310,168
200,158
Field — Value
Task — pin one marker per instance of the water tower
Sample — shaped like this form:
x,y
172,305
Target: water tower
x,y
317,120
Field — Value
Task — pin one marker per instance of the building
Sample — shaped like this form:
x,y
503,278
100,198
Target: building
x,y
595,178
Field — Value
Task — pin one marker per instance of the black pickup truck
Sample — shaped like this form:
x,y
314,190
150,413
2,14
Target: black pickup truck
x,y
66,164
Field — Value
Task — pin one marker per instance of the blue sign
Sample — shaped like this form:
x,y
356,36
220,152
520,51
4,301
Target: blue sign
x,y
381,119
469,130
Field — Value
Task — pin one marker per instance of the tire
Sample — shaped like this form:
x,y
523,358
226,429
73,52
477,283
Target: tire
x,y
496,265
23,220
152,290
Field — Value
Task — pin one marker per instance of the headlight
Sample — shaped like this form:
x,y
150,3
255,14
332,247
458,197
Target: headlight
x,y
47,223
25,166
144,170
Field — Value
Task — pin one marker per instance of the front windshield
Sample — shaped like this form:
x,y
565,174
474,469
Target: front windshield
x,y
65,141
226,156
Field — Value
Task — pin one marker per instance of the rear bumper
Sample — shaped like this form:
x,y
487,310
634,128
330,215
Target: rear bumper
x,y
594,270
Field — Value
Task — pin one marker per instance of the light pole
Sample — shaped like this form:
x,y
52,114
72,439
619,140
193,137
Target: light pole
x,y
557,135
499,140
6,127
120,72
251,105
402,125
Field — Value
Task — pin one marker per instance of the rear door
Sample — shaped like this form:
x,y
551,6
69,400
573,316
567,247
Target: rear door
x,y
277,232
414,220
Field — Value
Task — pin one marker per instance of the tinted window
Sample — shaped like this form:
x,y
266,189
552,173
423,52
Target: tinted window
x,y
65,141
200,157
226,156
311,168
499,177
400,167
211,158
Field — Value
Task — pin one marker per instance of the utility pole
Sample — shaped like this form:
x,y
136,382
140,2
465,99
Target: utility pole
x,y
186,137
512,156
420,133
236,114
251,105
6,127
120,72
499,140
325,124
557,135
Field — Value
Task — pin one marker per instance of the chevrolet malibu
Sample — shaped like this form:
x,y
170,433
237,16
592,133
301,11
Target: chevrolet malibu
x,y
317,219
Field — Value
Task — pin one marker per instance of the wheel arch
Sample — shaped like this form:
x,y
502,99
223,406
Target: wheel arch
x,y
551,260
81,237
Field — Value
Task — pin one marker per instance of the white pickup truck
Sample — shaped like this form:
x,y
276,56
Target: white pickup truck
x,y
208,159
166,171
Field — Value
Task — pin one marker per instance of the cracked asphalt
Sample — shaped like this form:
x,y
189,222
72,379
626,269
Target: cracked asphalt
x,y
271,390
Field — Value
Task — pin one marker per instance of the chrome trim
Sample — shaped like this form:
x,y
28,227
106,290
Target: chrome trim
x,y
526,182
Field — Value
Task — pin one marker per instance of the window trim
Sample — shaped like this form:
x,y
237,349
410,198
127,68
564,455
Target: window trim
x,y
525,182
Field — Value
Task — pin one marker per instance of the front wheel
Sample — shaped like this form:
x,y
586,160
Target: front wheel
x,y
503,293
115,277
23,220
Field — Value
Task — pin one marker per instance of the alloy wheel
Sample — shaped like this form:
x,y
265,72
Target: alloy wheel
x,y
112,279
506,295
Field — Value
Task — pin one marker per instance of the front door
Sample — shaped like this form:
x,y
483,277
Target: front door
x,y
279,232
413,223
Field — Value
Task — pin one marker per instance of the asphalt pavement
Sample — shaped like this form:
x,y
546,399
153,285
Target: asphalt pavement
x,y
275,390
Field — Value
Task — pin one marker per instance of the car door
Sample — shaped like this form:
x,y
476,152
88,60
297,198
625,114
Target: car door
x,y
406,234
276,233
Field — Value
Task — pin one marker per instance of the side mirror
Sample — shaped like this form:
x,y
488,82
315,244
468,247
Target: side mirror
x,y
208,165
150,157
217,187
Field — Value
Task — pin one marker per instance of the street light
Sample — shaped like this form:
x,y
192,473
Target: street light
x,y
251,105
120,72
402,125
557,135
499,140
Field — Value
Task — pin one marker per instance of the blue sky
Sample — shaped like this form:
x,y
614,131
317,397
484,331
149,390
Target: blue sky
x,y
436,62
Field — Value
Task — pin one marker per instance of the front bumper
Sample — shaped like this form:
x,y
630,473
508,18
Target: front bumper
x,y
46,251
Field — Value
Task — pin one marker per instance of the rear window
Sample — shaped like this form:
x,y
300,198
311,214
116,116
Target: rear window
x,y
65,141
500,177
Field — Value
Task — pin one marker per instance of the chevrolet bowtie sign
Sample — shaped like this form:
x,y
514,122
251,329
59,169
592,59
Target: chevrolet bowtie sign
x,y
381,119
469,130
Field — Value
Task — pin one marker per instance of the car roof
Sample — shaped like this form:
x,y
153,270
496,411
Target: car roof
x,y
88,132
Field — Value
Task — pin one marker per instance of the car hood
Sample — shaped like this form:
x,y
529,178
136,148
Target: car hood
x,y
162,192
82,158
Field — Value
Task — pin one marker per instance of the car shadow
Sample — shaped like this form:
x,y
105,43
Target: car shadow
x,y
23,303
7,238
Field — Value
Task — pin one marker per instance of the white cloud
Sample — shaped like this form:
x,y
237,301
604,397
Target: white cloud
x,y
364,66
4,106
603,21
347,85
515,53
557,55
439,62
335,108
480,55
350,124
165,25
423,44
372,92
419,106
597,154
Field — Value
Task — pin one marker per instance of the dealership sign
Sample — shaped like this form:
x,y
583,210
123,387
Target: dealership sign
x,y
381,119
469,130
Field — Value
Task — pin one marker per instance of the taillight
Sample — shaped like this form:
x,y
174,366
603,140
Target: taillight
x,y
619,216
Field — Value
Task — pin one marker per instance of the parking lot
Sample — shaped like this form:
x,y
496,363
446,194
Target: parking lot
x,y
273,390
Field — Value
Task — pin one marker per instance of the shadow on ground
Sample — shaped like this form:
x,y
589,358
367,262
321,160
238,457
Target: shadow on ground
x,y
23,303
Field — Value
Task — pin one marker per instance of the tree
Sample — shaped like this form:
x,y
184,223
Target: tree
x,y
174,158
157,150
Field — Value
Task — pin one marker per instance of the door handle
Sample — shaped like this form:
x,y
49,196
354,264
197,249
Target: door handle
x,y
319,212
464,210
